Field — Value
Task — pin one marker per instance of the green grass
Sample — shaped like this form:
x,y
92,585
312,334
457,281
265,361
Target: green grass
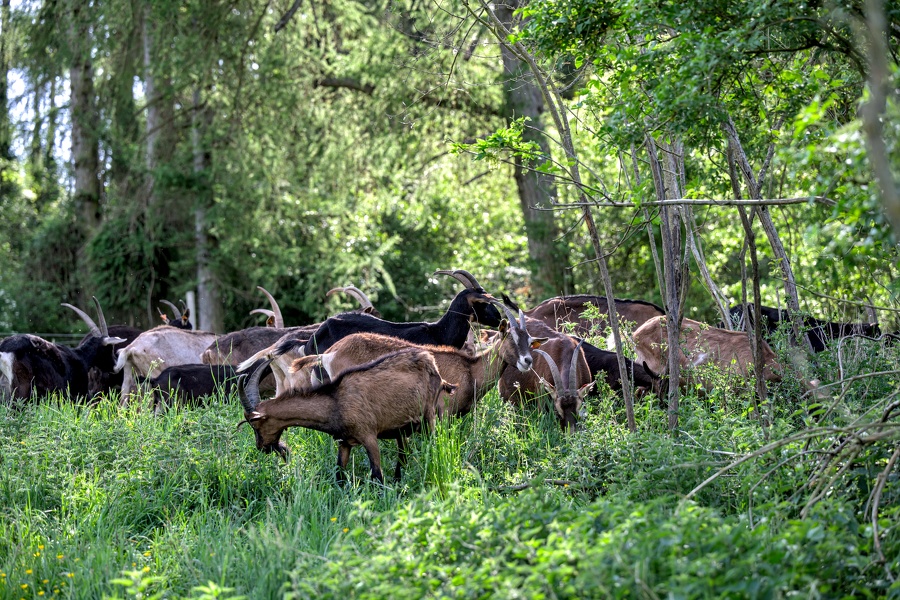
x,y
500,503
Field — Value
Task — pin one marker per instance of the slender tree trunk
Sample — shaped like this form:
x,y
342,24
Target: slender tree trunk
x,y
765,219
160,115
557,112
85,119
210,315
670,229
536,190
5,120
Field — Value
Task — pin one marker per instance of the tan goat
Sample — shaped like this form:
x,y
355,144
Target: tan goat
x,y
385,398
154,350
701,344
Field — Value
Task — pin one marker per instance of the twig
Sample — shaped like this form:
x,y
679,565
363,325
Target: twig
x,y
876,499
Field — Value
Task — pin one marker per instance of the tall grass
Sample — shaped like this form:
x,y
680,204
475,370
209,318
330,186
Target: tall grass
x,y
107,502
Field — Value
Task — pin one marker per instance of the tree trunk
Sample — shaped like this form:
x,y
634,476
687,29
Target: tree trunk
x,y
85,119
765,219
670,230
160,115
536,190
5,121
210,315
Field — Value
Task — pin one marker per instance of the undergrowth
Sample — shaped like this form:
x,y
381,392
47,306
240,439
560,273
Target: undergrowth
x,y
102,502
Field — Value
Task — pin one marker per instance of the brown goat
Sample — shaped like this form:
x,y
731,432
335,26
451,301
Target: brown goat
x,y
473,375
701,344
568,394
554,312
384,398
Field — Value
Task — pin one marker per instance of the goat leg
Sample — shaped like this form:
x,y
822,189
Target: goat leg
x,y
402,455
370,443
342,459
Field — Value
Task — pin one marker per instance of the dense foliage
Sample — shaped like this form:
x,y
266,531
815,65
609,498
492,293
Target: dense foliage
x,y
99,502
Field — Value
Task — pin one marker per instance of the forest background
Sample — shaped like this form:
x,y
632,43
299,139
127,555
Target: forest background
x,y
152,148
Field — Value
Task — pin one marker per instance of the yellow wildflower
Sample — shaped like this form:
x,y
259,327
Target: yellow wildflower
x,y
24,586
40,547
28,571
59,556
41,593
36,554
146,569
346,529
147,553
46,581
70,574
333,519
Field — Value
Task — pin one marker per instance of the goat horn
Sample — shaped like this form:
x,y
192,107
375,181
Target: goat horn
x,y
276,310
554,370
357,293
161,313
522,319
248,387
103,328
95,331
175,311
263,311
573,368
464,277
510,315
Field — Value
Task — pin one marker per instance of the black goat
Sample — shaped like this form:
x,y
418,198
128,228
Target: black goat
x,y
606,363
187,384
101,377
471,304
818,332
176,321
35,366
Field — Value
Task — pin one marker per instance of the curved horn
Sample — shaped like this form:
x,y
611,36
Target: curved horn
x,y
464,277
95,331
522,319
557,378
573,368
248,387
103,328
184,308
357,293
263,311
276,310
510,315
175,311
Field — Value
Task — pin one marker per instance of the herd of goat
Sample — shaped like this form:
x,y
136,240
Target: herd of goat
x,y
360,378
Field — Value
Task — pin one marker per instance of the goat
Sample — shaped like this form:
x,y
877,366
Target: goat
x,y
154,350
600,362
382,398
473,375
700,344
187,384
818,332
570,309
32,365
471,304
236,347
567,394
177,322
101,377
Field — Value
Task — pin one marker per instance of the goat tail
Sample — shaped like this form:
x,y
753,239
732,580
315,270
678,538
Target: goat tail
x,y
121,360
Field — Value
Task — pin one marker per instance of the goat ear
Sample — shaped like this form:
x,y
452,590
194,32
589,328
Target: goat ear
x,y
254,416
583,390
536,342
504,326
164,318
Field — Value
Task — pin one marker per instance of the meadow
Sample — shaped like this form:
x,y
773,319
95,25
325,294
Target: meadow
x,y
104,502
